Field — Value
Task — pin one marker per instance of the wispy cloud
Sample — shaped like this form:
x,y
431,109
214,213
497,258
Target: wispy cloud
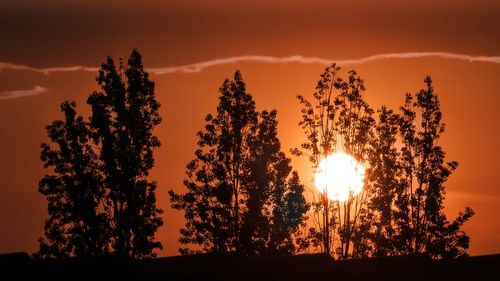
x,y
45,70
199,66
6,95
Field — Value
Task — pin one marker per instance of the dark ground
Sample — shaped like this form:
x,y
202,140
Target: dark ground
x,y
17,266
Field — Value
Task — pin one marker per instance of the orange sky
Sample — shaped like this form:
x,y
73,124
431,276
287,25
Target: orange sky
x,y
185,32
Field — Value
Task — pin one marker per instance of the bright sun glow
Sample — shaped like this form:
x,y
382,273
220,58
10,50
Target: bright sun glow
x,y
339,174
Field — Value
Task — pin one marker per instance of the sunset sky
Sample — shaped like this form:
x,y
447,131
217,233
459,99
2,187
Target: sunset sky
x,y
50,52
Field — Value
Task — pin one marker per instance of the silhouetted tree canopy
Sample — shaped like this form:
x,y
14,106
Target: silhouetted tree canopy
x,y
424,227
406,183
400,210
241,197
100,197
337,120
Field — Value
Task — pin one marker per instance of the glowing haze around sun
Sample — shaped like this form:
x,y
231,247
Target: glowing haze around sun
x,y
339,175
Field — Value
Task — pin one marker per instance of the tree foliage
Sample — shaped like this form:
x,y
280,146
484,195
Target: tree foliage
x,y
400,210
384,180
338,120
241,197
425,227
107,162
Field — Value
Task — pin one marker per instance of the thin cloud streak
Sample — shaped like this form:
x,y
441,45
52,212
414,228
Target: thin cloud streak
x,y
7,95
46,70
200,66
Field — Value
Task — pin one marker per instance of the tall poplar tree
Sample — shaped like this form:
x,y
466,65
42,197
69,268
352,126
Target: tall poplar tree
x,y
337,120
425,227
124,114
407,183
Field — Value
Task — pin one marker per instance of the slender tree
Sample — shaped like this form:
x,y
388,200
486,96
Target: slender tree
x,y
124,115
213,202
320,127
338,120
76,224
425,171
355,127
407,183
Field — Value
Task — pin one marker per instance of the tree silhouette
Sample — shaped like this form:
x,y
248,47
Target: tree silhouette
x,y
239,199
400,210
318,122
124,115
424,225
213,202
76,226
355,125
102,167
338,120
407,183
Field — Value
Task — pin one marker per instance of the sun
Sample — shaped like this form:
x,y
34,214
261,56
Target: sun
x,y
340,175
